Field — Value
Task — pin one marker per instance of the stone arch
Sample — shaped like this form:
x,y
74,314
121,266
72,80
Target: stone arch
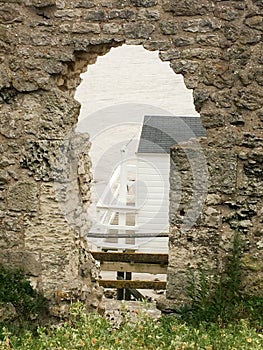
x,y
44,47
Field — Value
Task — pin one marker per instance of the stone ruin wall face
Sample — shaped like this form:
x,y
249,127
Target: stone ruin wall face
x,y
44,165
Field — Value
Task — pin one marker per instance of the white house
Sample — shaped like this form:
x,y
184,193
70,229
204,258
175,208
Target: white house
x,y
136,200
158,135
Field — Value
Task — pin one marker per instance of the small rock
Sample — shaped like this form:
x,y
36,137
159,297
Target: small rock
x,y
7,312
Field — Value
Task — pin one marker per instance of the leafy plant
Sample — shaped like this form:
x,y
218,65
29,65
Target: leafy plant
x,y
220,317
16,289
218,298
92,331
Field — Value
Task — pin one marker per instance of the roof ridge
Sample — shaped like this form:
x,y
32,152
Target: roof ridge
x,y
160,133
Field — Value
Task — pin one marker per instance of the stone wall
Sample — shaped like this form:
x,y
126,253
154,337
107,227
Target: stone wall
x,y
44,46
211,209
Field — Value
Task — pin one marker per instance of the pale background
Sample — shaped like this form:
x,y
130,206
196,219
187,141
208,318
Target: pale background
x,y
115,94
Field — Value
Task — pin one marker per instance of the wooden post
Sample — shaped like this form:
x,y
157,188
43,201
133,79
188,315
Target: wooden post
x,y
123,193
120,292
124,293
127,292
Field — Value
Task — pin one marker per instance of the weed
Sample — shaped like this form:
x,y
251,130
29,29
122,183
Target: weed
x,y
92,331
15,289
219,298
220,318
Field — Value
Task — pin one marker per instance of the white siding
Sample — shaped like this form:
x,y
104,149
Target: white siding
x,y
152,192
155,245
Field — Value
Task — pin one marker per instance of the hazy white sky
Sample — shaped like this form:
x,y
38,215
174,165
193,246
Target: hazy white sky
x,y
131,74
116,93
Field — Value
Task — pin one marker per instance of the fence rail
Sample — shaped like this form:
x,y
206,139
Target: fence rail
x,y
125,235
124,284
127,262
147,258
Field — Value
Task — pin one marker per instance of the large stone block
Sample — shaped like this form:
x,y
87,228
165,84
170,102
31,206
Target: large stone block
x,y
23,196
188,7
21,259
135,31
9,14
203,25
85,4
84,28
97,16
145,3
251,172
40,3
222,165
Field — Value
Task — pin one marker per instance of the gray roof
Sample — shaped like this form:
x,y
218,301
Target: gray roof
x,y
160,133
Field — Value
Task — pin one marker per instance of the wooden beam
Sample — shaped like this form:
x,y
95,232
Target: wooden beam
x,y
120,227
120,284
131,257
127,208
125,235
137,295
136,267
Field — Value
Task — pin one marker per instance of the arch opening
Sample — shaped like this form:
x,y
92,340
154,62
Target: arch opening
x,y
119,95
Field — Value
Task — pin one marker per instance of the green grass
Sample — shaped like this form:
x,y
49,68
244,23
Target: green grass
x,y
92,331
218,317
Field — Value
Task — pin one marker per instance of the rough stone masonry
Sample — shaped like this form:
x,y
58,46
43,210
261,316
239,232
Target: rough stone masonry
x,y
45,168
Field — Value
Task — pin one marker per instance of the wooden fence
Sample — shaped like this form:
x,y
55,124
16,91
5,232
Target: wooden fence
x,y
124,263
